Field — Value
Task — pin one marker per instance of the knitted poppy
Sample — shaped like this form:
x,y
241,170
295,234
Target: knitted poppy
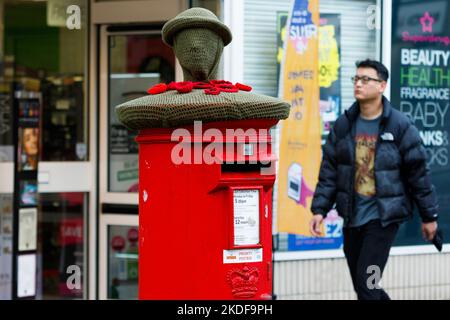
x,y
225,86
217,82
157,88
184,87
202,85
243,87
213,91
213,87
233,89
172,86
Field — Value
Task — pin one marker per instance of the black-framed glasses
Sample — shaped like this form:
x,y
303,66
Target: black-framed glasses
x,y
364,79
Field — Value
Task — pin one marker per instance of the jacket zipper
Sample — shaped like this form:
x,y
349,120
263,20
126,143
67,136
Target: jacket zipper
x,y
352,200
380,129
350,205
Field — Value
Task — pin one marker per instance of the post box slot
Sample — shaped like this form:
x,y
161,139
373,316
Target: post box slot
x,y
244,167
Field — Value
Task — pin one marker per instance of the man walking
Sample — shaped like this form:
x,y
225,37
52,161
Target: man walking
x,y
373,168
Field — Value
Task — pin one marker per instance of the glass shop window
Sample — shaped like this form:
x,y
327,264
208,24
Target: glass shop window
x,y
43,49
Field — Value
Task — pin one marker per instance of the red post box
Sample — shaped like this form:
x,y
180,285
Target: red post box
x,y
205,230
205,188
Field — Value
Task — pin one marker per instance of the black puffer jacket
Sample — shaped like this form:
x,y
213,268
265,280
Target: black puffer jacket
x,y
401,171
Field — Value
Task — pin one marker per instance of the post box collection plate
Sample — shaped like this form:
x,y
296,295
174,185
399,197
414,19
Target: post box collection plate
x,y
246,217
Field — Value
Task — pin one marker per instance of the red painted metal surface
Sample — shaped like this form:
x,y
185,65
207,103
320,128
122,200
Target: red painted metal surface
x,y
186,216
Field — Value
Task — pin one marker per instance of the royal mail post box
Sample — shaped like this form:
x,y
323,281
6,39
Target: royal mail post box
x,y
205,229
206,173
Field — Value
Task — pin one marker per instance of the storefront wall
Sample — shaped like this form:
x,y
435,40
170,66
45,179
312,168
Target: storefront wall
x,y
40,54
76,227
415,269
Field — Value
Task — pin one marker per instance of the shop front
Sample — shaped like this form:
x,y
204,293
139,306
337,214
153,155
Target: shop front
x,y
69,171
68,64
412,39
45,152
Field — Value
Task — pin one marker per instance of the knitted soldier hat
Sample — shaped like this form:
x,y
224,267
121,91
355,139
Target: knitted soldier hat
x,y
198,38
195,18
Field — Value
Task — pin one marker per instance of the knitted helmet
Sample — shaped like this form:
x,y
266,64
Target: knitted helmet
x,y
197,38
195,18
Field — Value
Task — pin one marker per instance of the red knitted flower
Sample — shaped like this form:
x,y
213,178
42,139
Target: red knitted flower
x,y
213,87
213,91
157,88
172,86
202,85
232,89
225,86
243,87
184,87
219,82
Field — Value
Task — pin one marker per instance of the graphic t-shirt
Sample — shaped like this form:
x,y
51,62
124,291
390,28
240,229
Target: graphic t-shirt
x,y
366,133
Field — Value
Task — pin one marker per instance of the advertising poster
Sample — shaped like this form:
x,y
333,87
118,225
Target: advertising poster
x,y
28,193
300,140
282,17
28,149
26,129
310,81
6,245
6,131
27,229
26,275
29,111
329,71
420,88
329,65
71,244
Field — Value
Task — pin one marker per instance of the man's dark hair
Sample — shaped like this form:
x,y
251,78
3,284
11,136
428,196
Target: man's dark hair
x,y
382,71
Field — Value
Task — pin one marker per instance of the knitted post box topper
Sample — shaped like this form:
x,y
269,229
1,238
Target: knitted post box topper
x,y
198,37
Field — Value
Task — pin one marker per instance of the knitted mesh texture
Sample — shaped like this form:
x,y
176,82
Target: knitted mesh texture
x,y
199,52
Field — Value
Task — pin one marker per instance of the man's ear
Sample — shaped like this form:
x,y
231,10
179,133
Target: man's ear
x,y
383,86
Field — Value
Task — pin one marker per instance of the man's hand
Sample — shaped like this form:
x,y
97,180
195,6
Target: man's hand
x,y
314,225
429,230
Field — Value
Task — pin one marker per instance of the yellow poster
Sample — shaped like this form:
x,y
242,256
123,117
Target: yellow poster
x,y
300,141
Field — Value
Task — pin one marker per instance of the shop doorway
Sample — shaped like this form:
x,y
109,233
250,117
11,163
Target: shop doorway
x,y
132,59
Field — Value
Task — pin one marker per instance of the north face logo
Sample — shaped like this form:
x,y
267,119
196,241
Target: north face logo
x,y
387,136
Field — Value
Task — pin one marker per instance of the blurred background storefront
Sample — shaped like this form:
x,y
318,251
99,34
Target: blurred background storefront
x,y
84,60
41,56
79,58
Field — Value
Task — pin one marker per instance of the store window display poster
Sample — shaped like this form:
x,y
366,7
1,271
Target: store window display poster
x,y
28,193
29,111
27,229
6,209
28,149
26,275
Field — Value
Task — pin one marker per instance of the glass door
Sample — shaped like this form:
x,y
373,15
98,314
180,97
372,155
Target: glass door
x,y
131,61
